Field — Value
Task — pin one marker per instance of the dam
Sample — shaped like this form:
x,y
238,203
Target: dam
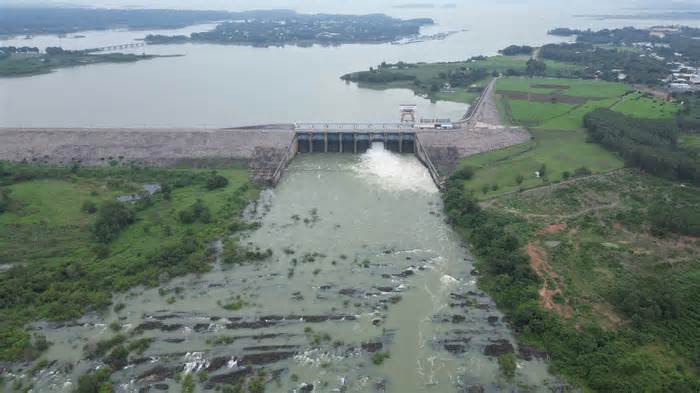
x,y
365,289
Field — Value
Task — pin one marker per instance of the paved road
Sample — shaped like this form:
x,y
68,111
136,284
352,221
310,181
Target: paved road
x,y
483,131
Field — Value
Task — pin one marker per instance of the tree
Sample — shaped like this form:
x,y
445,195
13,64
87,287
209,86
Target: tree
x,y
464,173
113,217
216,182
4,200
54,50
535,67
198,211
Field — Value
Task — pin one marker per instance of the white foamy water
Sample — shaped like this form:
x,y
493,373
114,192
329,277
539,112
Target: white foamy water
x,y
393,172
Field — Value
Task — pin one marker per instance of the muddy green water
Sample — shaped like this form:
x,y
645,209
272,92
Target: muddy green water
x,y
363,263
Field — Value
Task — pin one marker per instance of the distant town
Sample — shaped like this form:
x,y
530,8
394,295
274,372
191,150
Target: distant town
x,y
671,52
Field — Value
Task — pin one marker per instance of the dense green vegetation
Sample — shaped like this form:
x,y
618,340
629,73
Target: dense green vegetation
x,y
563,301
647,144
515,50
608,63
25,65
67,259
689,116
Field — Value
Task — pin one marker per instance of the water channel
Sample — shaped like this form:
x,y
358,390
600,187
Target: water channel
x,y
363,263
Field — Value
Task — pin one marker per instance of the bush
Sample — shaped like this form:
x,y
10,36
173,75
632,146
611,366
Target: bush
x,y
113,217
464,173
216,182
96,382
519,179
198,211
582,171
379,357
4,200
507,364
89,207
118,358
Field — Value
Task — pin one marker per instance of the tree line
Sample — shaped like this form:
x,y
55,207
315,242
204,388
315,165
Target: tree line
x,y
644,143
608,64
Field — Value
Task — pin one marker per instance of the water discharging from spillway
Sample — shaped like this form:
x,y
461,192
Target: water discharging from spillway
x,y
363,265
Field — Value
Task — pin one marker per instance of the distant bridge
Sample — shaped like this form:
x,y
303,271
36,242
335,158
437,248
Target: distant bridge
x,y
118,47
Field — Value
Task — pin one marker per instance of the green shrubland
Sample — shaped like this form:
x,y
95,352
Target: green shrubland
x,y
67,259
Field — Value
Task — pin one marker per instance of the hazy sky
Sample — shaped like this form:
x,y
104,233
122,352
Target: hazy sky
x,y
368,5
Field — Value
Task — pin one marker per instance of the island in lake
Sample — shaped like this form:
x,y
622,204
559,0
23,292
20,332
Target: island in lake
x,y
22,21
277,28
28,61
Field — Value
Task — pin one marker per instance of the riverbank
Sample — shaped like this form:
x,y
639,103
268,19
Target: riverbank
x,y
324,307
75,226
570,266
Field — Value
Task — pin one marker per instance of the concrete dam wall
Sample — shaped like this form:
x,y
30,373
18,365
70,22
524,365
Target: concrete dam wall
x,y
266,149
144,146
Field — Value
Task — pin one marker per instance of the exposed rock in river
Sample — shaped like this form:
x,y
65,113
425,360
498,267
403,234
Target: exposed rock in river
x,y
498,347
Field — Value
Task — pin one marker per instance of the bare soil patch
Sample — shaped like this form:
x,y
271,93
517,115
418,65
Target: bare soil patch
x,y
549,86
554,228
548,276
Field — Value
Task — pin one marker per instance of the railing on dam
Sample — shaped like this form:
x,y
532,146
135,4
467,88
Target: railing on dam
x,y
346,127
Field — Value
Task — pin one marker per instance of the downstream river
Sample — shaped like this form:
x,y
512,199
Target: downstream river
x,y
221,86
363,264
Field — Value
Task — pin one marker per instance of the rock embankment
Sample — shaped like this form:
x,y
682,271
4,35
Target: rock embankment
x,y
143,146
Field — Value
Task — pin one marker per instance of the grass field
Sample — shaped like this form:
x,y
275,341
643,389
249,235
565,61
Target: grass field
x,y
45,231
545,109
559,140
642,106
532,113
567,87
560,151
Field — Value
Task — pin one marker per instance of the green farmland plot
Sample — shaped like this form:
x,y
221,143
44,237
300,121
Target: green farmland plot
x,y
559,151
